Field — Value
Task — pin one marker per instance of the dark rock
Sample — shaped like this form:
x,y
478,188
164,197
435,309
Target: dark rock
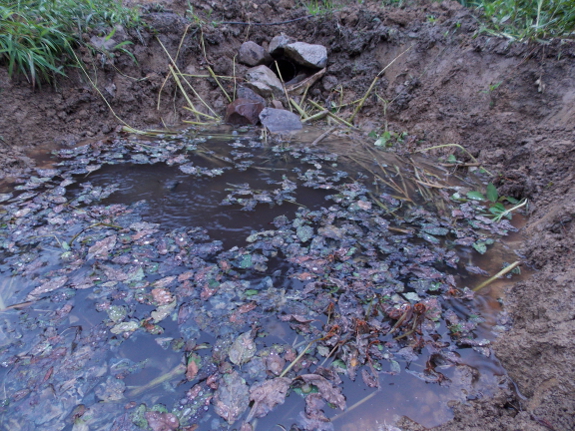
x,y
280,120
248,93
252,54
307,55
242,112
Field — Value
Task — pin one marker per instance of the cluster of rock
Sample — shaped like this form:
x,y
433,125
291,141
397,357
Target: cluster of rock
x,y
260,97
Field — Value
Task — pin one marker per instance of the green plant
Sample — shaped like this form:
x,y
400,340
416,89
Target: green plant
x,y
37,37
317,7
387,138
497,208
527,19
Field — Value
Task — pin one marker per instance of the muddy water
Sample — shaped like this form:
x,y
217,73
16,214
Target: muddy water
x,y
162,194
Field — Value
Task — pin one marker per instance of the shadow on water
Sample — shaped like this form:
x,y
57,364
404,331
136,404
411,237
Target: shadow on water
x,y
419,373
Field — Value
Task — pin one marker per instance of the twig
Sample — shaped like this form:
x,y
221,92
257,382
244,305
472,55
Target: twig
x,y
332,115
283,85
180,369
496,276
322,136
296,360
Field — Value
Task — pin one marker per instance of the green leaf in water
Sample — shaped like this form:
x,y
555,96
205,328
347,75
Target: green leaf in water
x,y
480,247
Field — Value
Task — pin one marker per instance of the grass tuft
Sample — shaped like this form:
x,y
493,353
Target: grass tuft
x,y
527,19
37,37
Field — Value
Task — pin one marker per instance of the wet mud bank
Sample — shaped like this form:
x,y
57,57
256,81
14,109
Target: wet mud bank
x,y
510,105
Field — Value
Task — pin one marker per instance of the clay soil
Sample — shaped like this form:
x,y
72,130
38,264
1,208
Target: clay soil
x,y
511,105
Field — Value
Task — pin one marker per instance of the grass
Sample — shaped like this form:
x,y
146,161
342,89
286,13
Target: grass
x,y
527,19
37,37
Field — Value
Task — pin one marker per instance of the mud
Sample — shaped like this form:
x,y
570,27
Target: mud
x,y
510,105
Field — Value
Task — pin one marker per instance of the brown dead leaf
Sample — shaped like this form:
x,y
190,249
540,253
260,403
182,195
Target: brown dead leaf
x,y
329,392
102,248
268,394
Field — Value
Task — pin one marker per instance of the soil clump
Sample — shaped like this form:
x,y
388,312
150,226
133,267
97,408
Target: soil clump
x,y
510,104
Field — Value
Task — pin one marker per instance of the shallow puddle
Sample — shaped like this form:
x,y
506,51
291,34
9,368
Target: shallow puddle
x,y
194,282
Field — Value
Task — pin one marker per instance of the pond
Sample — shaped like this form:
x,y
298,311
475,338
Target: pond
x,y
197,281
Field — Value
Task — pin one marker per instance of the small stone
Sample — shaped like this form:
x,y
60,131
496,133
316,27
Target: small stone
x,y
278,44
264,75
280,120
252,54
307,55
329,82
276,104
242,112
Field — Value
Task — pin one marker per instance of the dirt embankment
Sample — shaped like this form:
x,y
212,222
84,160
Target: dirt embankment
x,y
511,105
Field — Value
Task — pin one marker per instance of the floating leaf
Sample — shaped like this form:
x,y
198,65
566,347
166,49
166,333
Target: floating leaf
x,y
304,233
49,286
232,398
268,394
102,248
243,349
330,393
120,328
163,311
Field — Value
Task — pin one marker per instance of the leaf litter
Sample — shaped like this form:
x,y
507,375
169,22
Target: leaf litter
x,y
365,278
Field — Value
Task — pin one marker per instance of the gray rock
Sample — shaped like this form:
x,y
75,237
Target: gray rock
x,y
280,120
252,54
248,93
306,54
264,76
278,44
260,88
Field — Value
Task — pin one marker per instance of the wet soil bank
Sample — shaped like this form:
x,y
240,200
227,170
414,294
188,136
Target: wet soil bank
x,y
510,105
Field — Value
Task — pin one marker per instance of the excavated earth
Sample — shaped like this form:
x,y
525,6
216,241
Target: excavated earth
x,y
510,104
